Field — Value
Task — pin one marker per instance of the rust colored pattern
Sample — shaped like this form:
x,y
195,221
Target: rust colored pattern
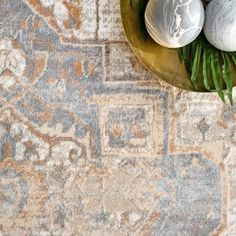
x,y
92,144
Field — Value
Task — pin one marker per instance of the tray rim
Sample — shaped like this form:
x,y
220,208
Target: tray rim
x,y
157,77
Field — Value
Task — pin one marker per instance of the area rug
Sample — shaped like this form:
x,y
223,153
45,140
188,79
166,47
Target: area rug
x,y
91,143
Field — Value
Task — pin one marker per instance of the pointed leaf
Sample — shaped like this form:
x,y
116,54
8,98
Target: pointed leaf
x,y
196,64
215,71
233,55
206,67
227,76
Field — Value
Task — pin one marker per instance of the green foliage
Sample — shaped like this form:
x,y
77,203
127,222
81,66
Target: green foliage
x,y
226,71
194,67
216,66
216,73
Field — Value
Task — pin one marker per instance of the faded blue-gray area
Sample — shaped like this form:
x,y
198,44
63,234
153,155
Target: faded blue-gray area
x,y
16,193
192,203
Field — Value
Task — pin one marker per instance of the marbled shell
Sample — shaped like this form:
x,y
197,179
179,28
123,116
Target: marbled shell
x,y
220,25
174,23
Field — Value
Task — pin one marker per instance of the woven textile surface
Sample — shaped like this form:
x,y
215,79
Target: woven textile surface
x,y
91,143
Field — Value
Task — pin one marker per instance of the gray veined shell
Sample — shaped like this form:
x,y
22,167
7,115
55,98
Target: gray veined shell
x,y
220,24
174,23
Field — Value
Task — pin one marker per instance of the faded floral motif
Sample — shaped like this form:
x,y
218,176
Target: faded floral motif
x,y
12,65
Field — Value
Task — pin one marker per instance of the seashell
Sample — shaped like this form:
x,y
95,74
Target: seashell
x,y
220,24
174,23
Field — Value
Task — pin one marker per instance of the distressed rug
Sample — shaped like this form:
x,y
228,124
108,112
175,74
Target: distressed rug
x,y
92,144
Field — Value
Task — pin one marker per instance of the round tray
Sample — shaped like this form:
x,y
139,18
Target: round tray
x,y
162,61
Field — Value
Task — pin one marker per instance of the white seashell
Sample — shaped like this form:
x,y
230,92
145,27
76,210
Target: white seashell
x,y
220,24
174,23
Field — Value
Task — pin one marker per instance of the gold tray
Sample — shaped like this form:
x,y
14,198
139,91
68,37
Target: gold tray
x,y
163,62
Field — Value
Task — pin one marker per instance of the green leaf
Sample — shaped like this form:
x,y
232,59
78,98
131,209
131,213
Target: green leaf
x,y
227,76
233,55
206,67
186,56
193,51
216,73
196,64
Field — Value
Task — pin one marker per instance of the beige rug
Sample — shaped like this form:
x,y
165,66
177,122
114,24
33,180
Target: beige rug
x,y
92,144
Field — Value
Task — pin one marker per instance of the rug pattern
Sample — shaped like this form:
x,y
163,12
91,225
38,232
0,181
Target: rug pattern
x,y
92,144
